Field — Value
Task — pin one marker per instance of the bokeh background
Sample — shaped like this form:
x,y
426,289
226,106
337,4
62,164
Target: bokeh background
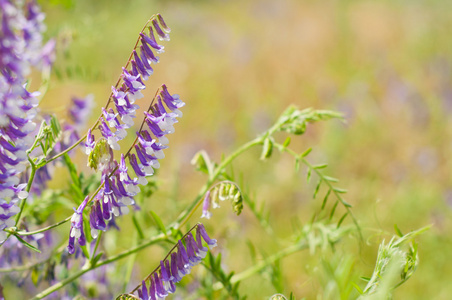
x,y
238,64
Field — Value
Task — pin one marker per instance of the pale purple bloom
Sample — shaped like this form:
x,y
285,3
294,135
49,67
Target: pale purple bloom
x,y
80,110
205,206
76,231
176,266
89,143
20,49
163,36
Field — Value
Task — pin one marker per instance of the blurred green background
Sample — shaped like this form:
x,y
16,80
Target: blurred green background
x,y
238,64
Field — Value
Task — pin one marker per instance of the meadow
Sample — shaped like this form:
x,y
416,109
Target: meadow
x,y
386,66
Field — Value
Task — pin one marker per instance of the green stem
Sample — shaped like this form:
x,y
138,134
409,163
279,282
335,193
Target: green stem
x,y
186,214
88,267
70,148
28,188
97,245
327,182
263,264
25,233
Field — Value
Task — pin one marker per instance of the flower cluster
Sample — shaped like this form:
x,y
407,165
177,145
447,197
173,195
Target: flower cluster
x,y
20,48
225,190
76,231
118,186
131,85
172,269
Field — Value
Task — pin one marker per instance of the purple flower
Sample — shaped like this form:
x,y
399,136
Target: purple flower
x,y
177,265
89,143
80,110
205,206
163,36
76,232
20,49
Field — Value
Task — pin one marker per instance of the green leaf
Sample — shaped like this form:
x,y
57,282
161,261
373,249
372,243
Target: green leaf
x,y
306,152
72,171
35,276
321,166
342,220
297,164
138,227
339,190
202,162
96,258
317,188
158,221
287,142
308,176
267,149
333,210
28,245
330,179
397,230
325,199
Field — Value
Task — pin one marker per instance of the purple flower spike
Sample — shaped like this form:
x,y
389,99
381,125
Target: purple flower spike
x,y
211,242
172,101
163,36
145,50
144,290
191,250
80,110
162,22
176,275
157,131
159,289
138,171
201,248
150,40
76,231
96,219
152,291
165,273
205,206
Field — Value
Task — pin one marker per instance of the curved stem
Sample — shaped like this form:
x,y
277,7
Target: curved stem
x,y
186,214
25,233
71,147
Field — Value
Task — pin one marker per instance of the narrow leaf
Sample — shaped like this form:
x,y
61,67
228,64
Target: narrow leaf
x,y
287,142
267,149
397,230
158,221
138,227
317,188
333,210
330,179
304,154
342,220
325,199
27,244
321,166
339,190
297,165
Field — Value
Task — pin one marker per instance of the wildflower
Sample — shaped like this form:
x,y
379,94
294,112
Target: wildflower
x,y
118,185
20,49
76,231
205,206
176,266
